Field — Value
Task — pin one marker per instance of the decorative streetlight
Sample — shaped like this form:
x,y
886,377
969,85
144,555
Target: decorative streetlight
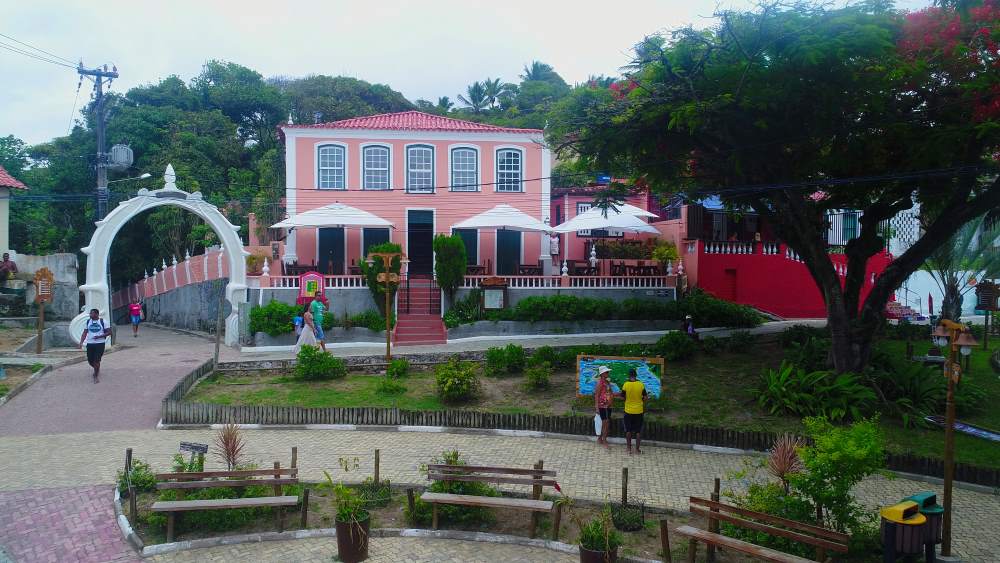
x,y
387,278
962,342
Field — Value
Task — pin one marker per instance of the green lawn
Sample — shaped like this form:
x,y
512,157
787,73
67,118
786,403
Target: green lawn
x,y
712,391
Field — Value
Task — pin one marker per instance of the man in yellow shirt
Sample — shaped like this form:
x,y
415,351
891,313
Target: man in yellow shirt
x,y
634,393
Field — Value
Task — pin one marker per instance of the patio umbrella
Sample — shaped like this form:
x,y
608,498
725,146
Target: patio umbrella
x,y
333,215
630,209
503,216
594,219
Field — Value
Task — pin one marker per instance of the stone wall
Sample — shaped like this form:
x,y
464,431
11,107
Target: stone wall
x,y
189,307
65,302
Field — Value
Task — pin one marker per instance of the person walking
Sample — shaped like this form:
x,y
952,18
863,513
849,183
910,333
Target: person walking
x,y
307,336
634,393
602,402
317,317
95,334
135,313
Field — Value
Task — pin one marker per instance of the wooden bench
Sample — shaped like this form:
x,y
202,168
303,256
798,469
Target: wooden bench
x,y
184,481
822,539
507,475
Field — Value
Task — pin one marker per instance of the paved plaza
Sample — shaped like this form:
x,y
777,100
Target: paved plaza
x,y
56,494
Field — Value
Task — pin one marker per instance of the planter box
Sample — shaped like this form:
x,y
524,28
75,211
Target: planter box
x,y
504,328
335,334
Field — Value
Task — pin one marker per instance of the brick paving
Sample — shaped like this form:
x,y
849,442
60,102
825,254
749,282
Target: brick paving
x,y
387,550
62,525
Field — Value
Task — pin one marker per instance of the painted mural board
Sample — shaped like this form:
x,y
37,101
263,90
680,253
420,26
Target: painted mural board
x,y
649,371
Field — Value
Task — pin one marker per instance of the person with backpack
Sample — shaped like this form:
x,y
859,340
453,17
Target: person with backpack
x,y
95,334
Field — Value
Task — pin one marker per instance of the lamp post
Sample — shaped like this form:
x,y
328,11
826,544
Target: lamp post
x,y
961,343
387,279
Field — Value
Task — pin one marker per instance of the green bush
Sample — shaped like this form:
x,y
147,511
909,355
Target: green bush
x,y
599,534
811,355
545,354
372,320
712,345
909,390
464,311
313,364
371,272
627,518
496,362
374,494
143,478
771,498
740,341
329,321
274,319
389,386
905,330
449,262
456,381
514,354
398,368
219,520
537,376
792,390
800,334
421,515
675,346
709,311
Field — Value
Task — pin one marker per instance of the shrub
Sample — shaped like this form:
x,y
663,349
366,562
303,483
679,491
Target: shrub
x,y
274,319
456,381
143,478
229,445
771,498
181,465
665,252
496,362
372,320
627,518
712,345
328,321
792,390
537,376
371,272
545,354
514,354
675,346
740,341
465,310
398,368
709,311
811,355
905,330
219,520
453,513
799,334
313,364
375,494
449,262
389,386
598,534
909,390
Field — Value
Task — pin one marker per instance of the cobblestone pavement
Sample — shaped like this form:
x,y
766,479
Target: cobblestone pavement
x,y
388,550
661,477
134,379
61,525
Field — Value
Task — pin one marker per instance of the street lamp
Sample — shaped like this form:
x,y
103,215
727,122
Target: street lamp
x,y
387,279
962,342
143,176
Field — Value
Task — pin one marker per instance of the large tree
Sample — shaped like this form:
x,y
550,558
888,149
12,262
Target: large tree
x,y
775,108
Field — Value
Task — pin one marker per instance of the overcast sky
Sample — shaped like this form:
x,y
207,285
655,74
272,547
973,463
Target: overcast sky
x,y
422,49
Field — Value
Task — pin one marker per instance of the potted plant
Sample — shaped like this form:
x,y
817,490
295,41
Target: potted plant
x,y
599,540
353,521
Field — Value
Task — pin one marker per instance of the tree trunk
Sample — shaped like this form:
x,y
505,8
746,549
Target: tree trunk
x,y
951,306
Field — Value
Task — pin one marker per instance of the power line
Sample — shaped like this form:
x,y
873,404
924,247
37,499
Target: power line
x,y
33,55
37,49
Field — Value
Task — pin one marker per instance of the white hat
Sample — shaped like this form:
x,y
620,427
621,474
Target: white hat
x,y
602,370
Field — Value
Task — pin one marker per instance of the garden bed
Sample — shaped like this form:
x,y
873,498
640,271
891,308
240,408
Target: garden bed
x,y
504,328
16,375
335,334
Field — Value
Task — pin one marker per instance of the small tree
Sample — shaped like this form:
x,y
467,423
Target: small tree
x,y
371,272
449,262
966,256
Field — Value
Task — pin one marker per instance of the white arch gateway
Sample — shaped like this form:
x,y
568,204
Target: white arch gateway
x,y
96,291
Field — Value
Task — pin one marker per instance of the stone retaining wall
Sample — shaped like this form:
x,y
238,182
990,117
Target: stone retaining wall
x,y
501,328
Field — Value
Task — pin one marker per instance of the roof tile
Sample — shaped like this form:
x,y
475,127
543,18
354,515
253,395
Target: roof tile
x,y
8,181
412,121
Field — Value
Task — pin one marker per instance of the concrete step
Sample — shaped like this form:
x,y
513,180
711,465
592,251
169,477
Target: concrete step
x,y
420,342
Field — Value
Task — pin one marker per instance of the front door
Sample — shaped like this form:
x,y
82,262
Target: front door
x,y
420,241
331,251
508,252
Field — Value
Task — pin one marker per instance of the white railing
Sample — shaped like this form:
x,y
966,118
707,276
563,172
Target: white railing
x,y
589,282
770,248
329,282
728,247
792,255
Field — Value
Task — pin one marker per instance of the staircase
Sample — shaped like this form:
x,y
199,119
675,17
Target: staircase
x,y
419,313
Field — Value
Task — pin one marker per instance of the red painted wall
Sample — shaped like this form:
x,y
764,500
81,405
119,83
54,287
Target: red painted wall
x,y
772,283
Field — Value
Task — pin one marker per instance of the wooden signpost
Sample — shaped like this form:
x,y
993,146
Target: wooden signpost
x,y
44,281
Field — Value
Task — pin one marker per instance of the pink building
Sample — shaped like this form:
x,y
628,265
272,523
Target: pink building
x,y
569,202
421,172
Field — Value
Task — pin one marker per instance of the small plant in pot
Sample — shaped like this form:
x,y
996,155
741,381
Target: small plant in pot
x,y
599,540
353,521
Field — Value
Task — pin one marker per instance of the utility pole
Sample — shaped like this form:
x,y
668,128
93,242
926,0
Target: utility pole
x,y
99,75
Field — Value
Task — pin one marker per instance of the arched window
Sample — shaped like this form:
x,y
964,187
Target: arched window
x,y
331,168
420,169
375,168
509,170
464,169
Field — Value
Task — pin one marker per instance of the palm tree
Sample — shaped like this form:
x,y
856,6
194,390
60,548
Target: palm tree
x,y
971,254
493,89
537,70
444,105
476,99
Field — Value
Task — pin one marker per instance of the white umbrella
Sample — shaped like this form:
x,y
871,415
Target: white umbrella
x,y
333,215
629,209
503,216
594,219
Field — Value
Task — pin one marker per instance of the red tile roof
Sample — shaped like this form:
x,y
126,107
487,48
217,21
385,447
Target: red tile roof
x,y
412,121
8,181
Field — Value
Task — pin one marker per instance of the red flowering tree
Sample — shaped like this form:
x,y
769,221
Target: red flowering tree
x,y
769,105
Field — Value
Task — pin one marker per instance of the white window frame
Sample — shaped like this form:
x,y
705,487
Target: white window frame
x,y
583,207
320,147
496,169
406,171
363,166
476,183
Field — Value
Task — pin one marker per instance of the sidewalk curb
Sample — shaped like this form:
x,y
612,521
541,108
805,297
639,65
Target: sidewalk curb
x,y
36,376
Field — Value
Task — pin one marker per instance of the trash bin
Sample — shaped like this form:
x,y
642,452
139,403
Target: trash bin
x,y
904,530
928,506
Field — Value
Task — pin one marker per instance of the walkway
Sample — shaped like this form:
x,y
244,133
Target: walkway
x,y
660,477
